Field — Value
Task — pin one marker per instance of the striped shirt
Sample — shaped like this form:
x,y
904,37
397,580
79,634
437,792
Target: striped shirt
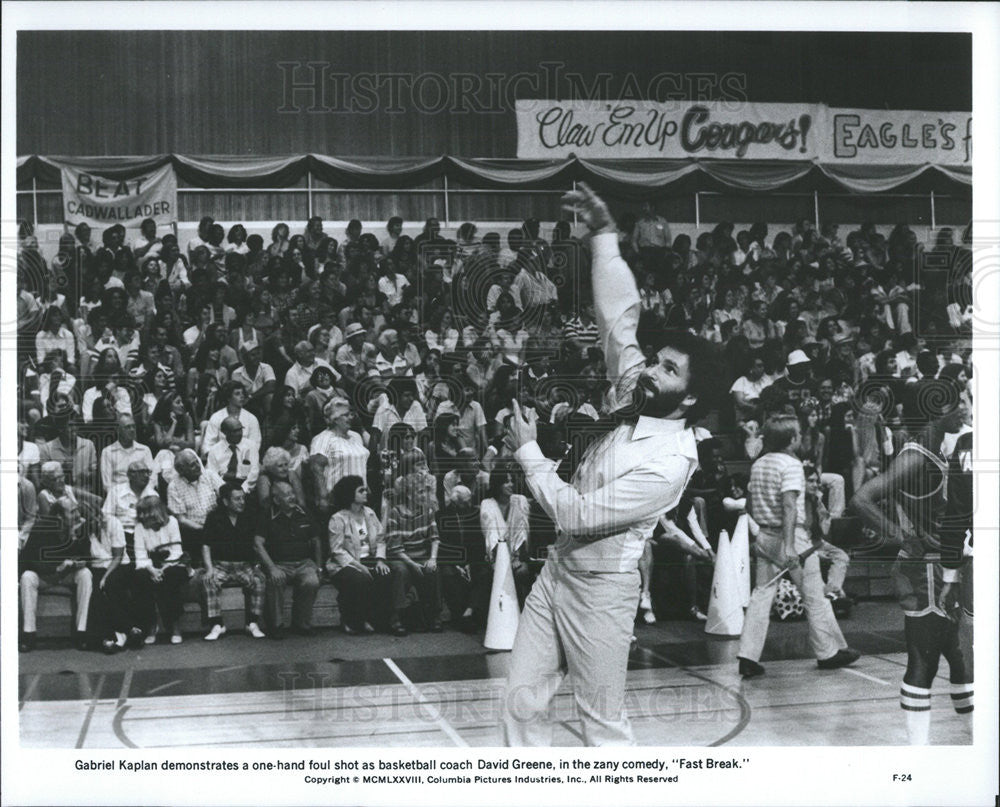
x,y
772,476
574,330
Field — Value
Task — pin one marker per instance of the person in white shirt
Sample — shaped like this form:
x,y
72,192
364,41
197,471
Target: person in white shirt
x,y
392,284
746,389
532,286
336,452
119,456
399,405
394,228
235,396
390,361
579,614
160,558
256,376
235,459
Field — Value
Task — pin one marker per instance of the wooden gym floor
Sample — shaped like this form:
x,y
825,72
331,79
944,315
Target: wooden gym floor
x,y
427,690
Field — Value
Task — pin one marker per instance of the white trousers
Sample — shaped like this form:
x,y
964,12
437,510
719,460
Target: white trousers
x,y
79,580
576,623
825,638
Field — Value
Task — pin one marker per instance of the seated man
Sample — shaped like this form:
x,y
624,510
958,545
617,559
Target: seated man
x,y
191,496
234,458
227,551
55,555
288,547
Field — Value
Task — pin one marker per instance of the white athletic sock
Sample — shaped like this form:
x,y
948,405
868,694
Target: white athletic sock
x,y
916,703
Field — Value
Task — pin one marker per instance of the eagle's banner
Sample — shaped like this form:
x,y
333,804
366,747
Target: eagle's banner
x,y
101,202
903,137
724,130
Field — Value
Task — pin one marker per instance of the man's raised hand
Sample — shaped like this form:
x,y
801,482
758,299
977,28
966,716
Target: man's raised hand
x,y
523,428
591,208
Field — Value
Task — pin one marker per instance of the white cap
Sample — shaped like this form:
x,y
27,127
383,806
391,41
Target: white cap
x,y
797,357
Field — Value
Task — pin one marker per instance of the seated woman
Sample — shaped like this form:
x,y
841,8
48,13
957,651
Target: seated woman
x,y
357,564
503,516
411,539
276,466
161,559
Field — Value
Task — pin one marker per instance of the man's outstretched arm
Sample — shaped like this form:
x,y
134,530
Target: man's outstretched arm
x,y
616,298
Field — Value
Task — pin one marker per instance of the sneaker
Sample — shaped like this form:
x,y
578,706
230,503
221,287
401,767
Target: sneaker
x,y
644,602
750,669
110,647
255,631
397,629
436,626
120,639
176,639
697,615
368,628
150,638
135,638
216,632
349,630
842,658
649,617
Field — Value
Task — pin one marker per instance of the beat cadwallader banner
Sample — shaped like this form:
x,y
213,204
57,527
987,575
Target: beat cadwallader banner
x,y
746,131
102,202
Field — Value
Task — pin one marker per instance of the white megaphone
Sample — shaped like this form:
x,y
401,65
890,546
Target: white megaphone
x,y
725,607
741,557
501,625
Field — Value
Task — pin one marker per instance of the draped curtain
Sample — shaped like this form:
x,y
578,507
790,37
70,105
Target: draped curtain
x,y
236,171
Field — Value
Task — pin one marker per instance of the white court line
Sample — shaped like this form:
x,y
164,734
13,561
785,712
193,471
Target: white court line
x,y
443,724
865,675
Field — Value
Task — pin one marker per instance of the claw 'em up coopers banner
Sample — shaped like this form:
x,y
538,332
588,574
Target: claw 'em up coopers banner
x,y
101,202
685,129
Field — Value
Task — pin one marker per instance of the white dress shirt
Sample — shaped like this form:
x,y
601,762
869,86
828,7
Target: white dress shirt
x,y
632,475
115,460
247,463
213,434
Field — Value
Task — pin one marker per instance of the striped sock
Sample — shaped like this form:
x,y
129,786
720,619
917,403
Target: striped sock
x,y
961,698
916,703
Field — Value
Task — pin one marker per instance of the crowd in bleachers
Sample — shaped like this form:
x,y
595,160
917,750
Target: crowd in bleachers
x,y
332,409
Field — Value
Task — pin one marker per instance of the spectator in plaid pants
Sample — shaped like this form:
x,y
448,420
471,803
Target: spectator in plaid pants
x,y
228,552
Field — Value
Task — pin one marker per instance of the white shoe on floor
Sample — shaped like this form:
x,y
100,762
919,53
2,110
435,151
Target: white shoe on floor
x,y
150,638
644,602
176,639
254,631
120,639
216,632
649,617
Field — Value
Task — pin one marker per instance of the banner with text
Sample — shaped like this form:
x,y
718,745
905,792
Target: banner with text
x,y
102,202
896,137
684,129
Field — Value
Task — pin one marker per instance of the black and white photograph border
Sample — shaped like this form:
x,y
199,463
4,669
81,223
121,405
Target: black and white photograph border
x,y
491,113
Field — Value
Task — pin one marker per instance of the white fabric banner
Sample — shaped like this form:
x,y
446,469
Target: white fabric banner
x,y
685,129
101,202
896,137
673,130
